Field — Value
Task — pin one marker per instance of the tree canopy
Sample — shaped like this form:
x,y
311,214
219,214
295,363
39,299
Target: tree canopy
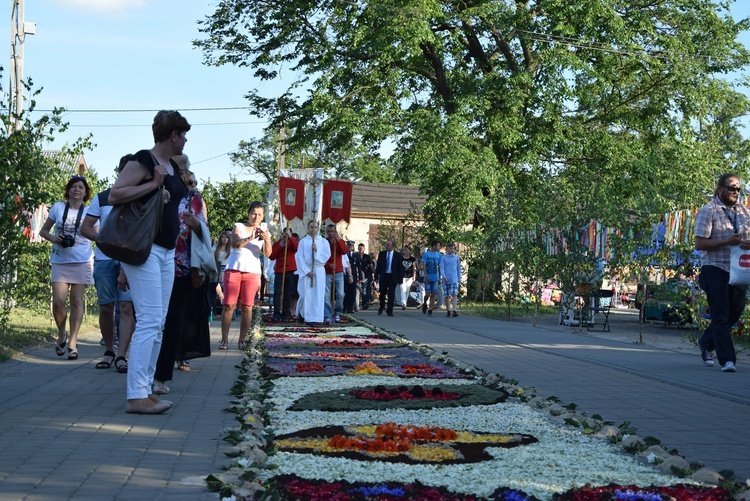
x,y
510,114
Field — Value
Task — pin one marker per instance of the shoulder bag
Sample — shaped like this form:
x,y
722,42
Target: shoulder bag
x,y
129,230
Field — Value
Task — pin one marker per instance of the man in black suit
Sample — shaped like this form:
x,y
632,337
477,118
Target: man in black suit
x,y
355,271
388,275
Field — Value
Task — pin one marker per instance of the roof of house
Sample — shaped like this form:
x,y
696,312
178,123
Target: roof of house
x,y
68,161
385,200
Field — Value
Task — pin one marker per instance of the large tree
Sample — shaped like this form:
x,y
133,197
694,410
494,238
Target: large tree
x,y
353,162
594,105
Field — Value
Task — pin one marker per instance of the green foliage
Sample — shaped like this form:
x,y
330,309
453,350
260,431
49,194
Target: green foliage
x,y
29,180
353,161
606,98
227,203
511,116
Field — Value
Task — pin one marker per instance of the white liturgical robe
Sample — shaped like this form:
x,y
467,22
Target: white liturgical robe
x,y
312,290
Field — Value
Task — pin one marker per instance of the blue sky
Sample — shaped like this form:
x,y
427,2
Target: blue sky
x,y
137,55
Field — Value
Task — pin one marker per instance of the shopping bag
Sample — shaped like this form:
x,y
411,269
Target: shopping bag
x,y
739,266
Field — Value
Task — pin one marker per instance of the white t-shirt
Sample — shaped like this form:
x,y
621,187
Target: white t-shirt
x,y
81,251
96,210
246,258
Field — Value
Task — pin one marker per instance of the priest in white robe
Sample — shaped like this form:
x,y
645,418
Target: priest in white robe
x,y
312,253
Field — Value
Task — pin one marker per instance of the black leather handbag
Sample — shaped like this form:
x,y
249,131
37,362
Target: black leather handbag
x,y
129,230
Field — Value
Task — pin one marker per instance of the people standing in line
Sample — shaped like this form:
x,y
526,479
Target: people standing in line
x,y
352,287
409,273
242,277
389,275
283,252
366,279
313,252
110,280
151,282
719,225
450,270
190,214
334,273
431,267
72,266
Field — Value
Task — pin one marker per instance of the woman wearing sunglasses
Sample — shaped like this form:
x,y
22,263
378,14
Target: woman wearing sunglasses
x,y
72,262
151,282
185,319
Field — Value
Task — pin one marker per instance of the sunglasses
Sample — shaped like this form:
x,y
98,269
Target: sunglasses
x,y
733,189
78,178
192,182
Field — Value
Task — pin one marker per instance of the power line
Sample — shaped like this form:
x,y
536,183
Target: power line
x,y
149,125
212,158
148,111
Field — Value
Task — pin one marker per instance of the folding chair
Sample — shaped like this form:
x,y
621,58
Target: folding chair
x,y
602,303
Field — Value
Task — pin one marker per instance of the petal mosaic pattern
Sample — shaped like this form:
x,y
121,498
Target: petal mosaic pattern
x,y
375,419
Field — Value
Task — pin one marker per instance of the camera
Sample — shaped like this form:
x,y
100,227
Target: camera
x,y
67,241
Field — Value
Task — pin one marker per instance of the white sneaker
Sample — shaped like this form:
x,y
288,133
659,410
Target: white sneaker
x,y
728,367
159,388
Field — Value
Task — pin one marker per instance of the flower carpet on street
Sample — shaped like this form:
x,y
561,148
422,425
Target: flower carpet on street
x,y
396,421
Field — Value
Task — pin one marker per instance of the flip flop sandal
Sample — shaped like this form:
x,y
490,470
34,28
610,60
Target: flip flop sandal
x,y
121,365
223,345
106,365
183,366
60,348
72,354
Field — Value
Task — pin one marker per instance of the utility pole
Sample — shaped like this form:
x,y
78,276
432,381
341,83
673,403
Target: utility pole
x,y
18,31
281,152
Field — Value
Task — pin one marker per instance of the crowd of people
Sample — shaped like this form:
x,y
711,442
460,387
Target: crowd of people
x,y
156,314
166,303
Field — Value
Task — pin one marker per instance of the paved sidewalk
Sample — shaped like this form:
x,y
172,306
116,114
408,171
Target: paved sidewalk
x,y
64,433
666,394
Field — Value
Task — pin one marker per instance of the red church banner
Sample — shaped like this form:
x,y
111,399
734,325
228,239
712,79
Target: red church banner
x,y
292,198
337,201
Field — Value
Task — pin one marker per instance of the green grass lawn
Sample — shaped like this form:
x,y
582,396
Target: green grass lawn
x,y
500,311
31,328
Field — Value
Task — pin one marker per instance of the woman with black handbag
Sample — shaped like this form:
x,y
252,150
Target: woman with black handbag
x,y
72,262
151,282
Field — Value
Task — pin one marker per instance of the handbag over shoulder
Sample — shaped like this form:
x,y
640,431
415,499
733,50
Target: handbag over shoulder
x,y
128,232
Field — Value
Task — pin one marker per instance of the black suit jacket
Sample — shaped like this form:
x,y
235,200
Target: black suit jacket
x,y
355,262
397,269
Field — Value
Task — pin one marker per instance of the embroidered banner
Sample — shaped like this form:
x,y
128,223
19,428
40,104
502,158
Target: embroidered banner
x,y
337,200
292,198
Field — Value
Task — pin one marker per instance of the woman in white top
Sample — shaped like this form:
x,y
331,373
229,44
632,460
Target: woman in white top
x,y
242,276
72,261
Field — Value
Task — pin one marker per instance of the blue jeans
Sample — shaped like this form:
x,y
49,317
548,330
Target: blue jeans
x,y
106,272
339,295
726,302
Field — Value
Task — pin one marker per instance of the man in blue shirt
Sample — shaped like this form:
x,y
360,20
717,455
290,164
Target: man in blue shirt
x,y
431,266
